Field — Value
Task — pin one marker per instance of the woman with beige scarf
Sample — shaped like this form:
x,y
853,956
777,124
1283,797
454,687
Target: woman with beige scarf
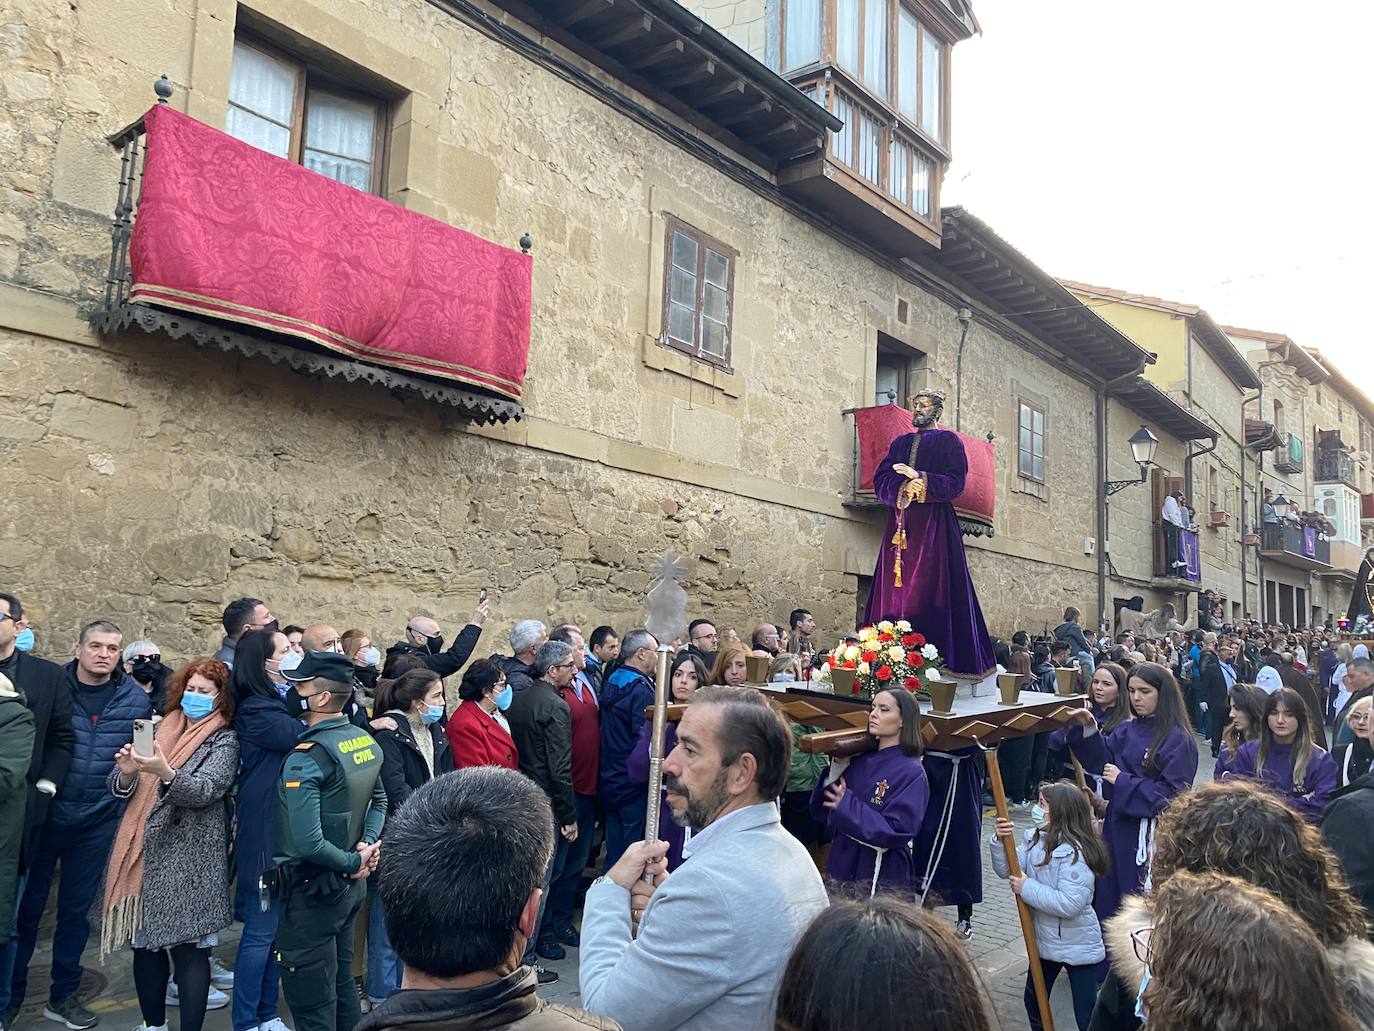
x,y
167,886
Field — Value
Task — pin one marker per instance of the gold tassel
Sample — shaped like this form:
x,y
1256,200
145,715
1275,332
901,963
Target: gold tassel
x,y
898,546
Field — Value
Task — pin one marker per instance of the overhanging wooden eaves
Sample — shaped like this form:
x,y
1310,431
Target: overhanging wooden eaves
x,y
1016,289
665,52
1148,401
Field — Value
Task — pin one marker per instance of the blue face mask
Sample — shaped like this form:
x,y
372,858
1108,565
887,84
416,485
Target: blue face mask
x,y
503,699
432,714
1140,995
24,640
196,706
1037,814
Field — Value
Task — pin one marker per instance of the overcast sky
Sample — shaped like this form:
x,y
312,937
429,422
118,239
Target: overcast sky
x,y
1217,152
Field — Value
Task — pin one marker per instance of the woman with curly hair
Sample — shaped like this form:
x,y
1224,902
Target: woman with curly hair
x,y
1287,758
1198,980
1247,716
730,669
1239,829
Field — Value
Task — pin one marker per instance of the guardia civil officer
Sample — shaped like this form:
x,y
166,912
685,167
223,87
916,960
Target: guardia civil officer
x,y
331,804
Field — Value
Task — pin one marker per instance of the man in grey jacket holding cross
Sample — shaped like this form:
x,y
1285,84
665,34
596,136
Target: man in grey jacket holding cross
x,y
714,936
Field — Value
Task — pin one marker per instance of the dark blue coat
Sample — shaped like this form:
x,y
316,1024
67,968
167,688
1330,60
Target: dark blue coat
x,y
267,733
84,798
623,700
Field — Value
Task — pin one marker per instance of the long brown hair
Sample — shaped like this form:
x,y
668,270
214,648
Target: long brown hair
x,y
910,708
1170,711
1200,981
1303,745
1071,823
1019,662
1120,711
852,970
1250,700
1241,829
727,654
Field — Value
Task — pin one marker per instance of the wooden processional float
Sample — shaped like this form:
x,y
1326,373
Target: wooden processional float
x,y
949,721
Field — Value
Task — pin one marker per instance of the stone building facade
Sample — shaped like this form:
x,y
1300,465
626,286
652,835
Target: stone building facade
x,y
152,480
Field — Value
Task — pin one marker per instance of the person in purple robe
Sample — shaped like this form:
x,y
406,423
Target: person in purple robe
x,y
1247,717
948,850
876,801
922,573
1286,759
1145,763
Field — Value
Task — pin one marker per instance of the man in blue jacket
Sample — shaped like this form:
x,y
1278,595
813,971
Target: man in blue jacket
x,y
624,697
82,819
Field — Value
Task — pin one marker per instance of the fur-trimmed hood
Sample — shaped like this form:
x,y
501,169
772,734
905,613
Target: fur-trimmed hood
x,y
1352,961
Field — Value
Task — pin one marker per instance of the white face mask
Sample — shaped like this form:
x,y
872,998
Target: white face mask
x,y
1037,814
289,661
371,656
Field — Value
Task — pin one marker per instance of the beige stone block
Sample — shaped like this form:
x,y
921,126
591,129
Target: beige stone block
x,y
25,87
706,434
85,169
12,428
52,275
109,425
83,95
472,179
9,259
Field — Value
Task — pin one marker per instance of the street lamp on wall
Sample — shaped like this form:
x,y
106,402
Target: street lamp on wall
x,y
1283,508
1143,446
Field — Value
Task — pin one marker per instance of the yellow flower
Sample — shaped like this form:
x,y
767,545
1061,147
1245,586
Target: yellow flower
x,y
885,626
895,653
851,653
868,633
863,669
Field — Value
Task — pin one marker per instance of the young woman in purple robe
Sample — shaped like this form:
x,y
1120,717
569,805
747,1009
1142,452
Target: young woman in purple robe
x,y
875,802
1286,759
1247,716
1144,763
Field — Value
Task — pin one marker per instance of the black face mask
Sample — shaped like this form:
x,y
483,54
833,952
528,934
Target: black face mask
x,y
435,644
296,703
271,627
145,669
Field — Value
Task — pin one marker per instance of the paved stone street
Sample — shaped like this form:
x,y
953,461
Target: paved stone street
x,y
996,947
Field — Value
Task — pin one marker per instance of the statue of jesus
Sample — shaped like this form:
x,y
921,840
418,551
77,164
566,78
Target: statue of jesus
x,y
922,574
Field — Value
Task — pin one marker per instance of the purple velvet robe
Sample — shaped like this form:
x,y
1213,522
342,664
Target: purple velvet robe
x,y
1138,796
637,771
957,879
936,595
885,799
1319,780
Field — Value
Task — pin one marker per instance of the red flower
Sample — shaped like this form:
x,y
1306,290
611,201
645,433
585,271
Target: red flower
x,y
917,640
885,637
908,640
912,684
855,688
884,672
870,656
914,660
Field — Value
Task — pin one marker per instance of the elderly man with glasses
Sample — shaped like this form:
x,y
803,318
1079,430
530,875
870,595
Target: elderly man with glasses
x,y
541,724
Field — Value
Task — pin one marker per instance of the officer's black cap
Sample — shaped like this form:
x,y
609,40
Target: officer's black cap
x,y
326,665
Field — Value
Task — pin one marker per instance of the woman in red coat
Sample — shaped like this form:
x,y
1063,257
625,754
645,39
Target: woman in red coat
x,y
474,734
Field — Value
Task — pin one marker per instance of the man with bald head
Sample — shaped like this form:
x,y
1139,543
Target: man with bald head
x,y
321,637
425,638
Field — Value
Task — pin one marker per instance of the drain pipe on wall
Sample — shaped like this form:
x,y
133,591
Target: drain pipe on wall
x,y
1100,401
965,316
1259,557
1244,526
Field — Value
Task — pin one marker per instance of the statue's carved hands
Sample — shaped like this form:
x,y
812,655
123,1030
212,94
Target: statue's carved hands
x,y
905,470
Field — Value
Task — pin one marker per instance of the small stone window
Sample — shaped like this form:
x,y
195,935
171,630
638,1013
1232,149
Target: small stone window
x,y
1030,443
698,293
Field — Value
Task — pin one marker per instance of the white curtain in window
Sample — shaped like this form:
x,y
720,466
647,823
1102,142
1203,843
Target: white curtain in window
x,y
931,80
715,305
875,45
847,34
842,143
682,290
340,134
908,32
801,33
262,97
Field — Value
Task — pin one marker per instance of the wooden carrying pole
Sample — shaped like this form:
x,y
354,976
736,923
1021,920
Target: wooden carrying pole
x,y
999,796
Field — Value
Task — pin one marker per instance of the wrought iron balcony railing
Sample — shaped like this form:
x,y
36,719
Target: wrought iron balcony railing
x,y
1335,467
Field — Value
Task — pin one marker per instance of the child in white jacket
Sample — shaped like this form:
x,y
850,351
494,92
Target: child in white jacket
x,y
1060,863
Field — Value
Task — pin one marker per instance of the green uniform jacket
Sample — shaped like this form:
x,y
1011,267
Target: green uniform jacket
x,y
330,797
16,749
805,769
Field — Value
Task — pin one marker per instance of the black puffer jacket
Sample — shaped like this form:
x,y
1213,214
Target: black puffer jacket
x,y
541,725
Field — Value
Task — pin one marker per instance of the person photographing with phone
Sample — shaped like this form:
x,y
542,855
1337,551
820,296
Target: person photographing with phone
x,y
331,807
425,638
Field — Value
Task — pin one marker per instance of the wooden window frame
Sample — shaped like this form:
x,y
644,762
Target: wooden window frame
x,y
672,226
1033,407
310,78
